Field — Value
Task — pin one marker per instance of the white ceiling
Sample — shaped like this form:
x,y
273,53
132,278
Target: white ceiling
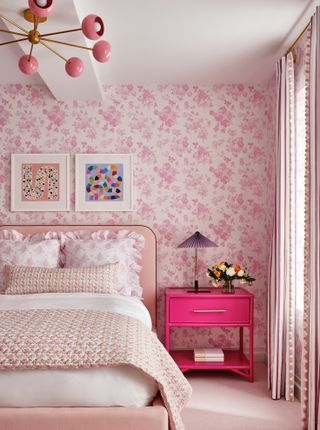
x,y
164,41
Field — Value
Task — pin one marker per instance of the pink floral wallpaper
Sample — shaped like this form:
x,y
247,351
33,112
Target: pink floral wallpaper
x,y
203,161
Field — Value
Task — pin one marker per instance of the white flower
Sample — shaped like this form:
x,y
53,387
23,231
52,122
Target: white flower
x,y
240,273
230,271
222,268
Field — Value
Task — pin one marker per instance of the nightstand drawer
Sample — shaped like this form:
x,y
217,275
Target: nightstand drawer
x,y
209,310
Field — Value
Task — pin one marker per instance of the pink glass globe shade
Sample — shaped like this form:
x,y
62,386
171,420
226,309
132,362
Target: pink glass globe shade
x,y
41,8
29,67
74,67
92,27
101,51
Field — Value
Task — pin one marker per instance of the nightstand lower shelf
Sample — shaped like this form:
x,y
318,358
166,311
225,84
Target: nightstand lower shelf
x,y
233,360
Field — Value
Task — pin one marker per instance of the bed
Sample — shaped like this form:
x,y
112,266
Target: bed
x,y
62,417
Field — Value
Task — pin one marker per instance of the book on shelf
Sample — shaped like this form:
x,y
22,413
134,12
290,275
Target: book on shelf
x,y
208,354
208,360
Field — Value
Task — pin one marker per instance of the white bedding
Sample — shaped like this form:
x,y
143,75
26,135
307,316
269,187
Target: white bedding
x,y
113,386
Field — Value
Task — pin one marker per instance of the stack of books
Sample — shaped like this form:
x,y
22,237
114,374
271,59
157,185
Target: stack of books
x,y
208,354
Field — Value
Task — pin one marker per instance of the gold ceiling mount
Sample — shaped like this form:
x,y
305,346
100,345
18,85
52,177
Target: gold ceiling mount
x,y
29,16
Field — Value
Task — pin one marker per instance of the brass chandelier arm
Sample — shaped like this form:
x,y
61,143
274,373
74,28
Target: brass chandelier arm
x,y
11,32
13,23
53,50
30,52
65,43
62,32
13,41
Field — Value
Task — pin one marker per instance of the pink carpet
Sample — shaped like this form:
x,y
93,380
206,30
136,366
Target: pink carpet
x,y
223,400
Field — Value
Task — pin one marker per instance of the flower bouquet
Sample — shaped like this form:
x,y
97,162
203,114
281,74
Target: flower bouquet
x,y
226,273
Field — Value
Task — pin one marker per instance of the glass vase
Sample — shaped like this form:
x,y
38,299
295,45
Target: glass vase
x,y
228,287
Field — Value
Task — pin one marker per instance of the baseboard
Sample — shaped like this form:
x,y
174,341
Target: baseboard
x,y
259,355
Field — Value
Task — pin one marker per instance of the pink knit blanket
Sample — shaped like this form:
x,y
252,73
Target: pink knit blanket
x,y
72,338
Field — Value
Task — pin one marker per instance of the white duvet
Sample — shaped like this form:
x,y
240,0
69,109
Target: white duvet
x,y
113,386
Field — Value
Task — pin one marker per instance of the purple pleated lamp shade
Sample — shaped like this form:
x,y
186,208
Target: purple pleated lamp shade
x,y
197,240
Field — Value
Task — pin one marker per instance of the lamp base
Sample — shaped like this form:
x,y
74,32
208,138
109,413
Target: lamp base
x,y
198,290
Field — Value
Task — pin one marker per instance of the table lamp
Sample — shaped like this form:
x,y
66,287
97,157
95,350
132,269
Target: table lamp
x,y
197,240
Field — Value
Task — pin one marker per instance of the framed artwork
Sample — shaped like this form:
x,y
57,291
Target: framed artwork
x,y
40,182
104,182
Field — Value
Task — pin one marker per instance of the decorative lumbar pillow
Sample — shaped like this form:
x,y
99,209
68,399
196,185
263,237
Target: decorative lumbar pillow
x,y
20,252
33,280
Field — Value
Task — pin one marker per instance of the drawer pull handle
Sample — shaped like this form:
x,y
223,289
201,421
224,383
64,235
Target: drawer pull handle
x,y
207,311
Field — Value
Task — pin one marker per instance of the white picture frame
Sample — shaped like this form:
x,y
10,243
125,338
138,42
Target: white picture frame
x,y
101,189
40,182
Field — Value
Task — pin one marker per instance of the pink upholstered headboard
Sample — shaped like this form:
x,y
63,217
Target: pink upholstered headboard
x,y
148,274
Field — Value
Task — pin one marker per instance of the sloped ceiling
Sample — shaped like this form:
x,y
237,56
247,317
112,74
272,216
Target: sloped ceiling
x,y
162,41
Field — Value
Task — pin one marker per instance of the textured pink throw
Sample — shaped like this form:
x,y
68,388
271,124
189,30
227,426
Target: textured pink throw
x,y
72,338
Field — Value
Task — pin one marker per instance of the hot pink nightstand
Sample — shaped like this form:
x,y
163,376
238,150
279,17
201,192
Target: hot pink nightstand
x,y
213,309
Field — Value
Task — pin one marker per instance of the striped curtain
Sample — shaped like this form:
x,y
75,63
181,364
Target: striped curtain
x,y
281,293
311,353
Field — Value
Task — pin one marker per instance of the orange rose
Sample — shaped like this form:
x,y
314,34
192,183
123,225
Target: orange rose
x,y
237,267
217,273
222,263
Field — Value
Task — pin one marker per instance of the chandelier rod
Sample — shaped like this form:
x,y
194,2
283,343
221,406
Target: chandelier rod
x,y
11,32
30,52
62,32
13,23
36,22
13,41
53,50
35,26
65,43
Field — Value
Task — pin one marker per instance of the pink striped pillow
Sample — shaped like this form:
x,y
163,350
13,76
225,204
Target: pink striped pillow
x,y
34,280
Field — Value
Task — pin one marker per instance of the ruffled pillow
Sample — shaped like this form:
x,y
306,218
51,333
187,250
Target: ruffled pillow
x,y
84,249
19,250
35,280
12,235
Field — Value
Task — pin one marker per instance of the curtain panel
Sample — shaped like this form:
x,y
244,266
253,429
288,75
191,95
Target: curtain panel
x,y
281,292
311,354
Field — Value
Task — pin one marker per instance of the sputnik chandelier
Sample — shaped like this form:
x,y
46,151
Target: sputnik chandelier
x,y
92,27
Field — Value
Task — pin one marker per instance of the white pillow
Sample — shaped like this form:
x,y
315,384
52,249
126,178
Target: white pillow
x,y
45,253
86,253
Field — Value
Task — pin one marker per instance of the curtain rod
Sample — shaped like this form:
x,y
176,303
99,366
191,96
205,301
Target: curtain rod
x,y
298,38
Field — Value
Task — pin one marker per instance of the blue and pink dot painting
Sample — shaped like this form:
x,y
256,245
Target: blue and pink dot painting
x,y
104,182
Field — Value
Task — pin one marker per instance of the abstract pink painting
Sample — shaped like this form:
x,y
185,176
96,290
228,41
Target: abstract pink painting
x,y
40,182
